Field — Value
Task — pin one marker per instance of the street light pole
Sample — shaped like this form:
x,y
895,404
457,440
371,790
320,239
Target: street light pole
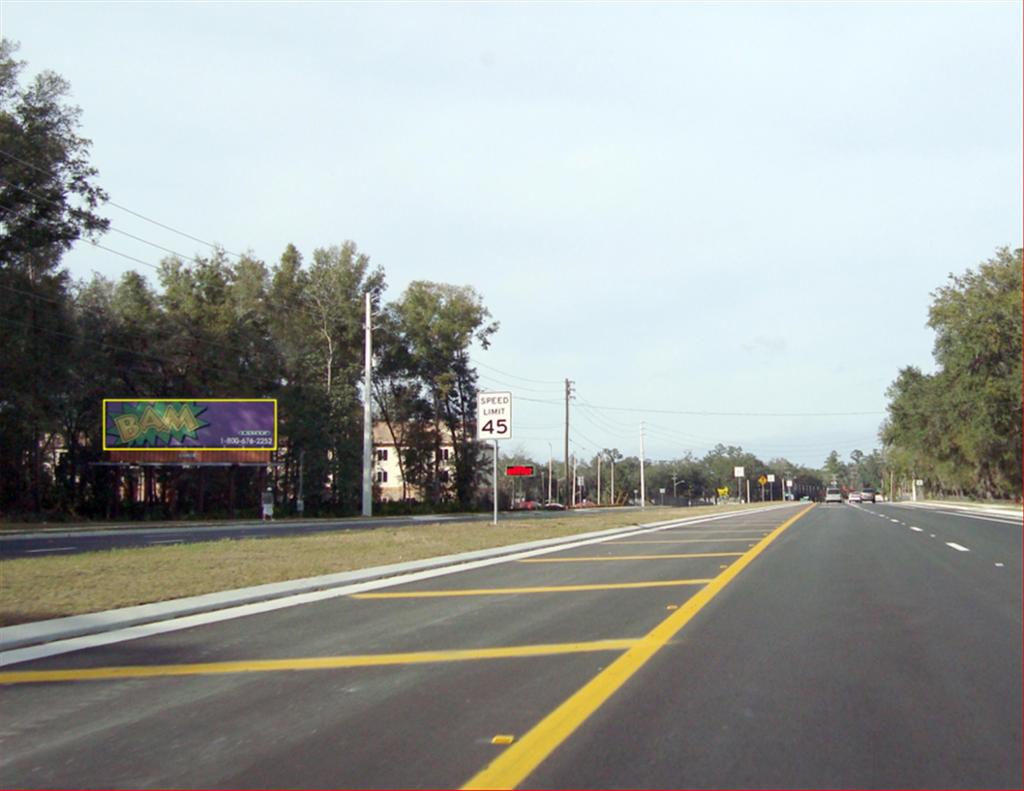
x,y
368,418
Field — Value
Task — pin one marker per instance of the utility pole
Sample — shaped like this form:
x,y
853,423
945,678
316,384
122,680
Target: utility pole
x,y
568,395
643,489
598,478
612,501
368,418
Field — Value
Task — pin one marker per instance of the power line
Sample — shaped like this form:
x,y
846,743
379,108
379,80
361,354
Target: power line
x,y
522,378
123,208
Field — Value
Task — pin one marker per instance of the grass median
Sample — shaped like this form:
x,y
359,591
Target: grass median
x,y
34,589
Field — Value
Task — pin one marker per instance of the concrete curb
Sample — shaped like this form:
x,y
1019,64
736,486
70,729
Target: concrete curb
x,y
979,508
22,635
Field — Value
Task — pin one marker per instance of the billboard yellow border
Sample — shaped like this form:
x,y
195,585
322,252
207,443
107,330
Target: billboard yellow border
x,y
189,448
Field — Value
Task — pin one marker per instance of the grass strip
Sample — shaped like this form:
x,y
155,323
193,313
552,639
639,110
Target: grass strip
x,y
39,588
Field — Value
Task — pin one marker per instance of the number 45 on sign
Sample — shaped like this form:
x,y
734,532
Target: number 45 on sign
x,y
494,416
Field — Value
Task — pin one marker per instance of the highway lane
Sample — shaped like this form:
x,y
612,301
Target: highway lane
x,y
851,652
69,542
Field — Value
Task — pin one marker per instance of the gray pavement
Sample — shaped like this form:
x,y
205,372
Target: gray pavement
x,y
852,652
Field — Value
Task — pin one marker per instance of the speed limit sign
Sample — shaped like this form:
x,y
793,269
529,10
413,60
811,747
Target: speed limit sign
x,y
494,416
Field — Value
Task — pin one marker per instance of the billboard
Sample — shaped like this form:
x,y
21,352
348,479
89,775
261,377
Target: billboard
x,y
186,424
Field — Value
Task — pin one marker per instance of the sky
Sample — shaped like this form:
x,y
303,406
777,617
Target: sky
x,y
721,221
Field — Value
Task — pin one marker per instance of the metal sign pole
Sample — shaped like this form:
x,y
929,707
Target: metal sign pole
x,y
495,482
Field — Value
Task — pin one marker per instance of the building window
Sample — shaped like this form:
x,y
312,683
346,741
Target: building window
x,y
444,476
382,454
382,476
442,454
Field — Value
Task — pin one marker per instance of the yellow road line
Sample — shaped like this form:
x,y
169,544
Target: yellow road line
x,y
514,765
312,663
537,589
680,541
634,557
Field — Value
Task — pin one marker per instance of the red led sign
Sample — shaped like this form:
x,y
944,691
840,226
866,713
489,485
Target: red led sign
x,y
525,470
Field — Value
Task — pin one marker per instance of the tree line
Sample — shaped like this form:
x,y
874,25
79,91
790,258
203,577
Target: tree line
x,y
215,326
231,326
687,479
959,428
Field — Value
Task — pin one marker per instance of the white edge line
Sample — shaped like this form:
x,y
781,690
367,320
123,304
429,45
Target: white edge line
x,y
957,547
51,549
33,652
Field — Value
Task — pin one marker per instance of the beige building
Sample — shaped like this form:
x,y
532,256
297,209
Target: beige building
x,y
387,473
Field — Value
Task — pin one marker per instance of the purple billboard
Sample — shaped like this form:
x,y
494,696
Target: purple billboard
x,y
169,424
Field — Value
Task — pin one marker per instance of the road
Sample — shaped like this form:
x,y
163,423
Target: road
x,y
70,542
798,647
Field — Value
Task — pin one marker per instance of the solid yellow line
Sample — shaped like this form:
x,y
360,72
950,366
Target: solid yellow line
x,y
634,557
681,541
538,589
513,766
313,663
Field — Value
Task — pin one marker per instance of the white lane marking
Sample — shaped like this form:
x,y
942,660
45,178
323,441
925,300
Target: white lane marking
x,y
957,547
897,521
932,535
916,529
51,549
999,565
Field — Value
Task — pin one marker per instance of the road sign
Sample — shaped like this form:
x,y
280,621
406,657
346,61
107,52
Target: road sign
x,y
762,480
737,472
494,416
524,470
771,477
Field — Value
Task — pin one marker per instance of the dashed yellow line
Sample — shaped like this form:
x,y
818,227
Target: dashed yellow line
x,y
311,663
515,764
534,589
634,557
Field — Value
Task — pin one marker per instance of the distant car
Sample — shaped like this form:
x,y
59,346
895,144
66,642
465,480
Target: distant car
x,y
833,494
867,495
554,507
853,497
526,505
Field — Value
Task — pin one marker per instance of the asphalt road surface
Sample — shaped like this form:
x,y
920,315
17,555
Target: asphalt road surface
x,y
873,646
70,542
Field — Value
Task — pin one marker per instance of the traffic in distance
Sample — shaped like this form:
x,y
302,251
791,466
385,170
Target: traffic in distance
x,y
836,494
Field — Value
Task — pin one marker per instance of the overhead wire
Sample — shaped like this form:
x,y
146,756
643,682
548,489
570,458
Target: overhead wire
x,y
123,208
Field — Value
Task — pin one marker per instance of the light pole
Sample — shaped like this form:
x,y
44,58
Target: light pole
x,y
551,461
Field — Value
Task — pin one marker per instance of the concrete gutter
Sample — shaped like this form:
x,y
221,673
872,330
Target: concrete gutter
x,y
21,635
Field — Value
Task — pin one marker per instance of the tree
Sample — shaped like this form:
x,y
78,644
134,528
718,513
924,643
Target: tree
x,y
435,324
48,198
960,427
48,195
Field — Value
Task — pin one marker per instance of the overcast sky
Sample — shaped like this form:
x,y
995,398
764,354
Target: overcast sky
x,y
682,207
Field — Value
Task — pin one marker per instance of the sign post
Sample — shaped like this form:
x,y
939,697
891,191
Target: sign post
x,y
771,489
494,422
738,475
